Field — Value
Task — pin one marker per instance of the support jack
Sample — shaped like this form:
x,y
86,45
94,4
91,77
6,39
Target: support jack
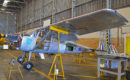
x,y
14,66
53,67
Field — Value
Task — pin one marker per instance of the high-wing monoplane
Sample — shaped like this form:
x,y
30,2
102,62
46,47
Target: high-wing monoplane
x,y
55,35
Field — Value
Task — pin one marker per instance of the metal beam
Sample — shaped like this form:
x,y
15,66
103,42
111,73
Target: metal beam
x,y
74,8
11,6
18,2
8,10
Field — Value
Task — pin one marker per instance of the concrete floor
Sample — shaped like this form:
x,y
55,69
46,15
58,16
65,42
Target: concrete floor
x,y
73,71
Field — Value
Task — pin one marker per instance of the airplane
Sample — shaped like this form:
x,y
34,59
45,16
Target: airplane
x,y
14,40
84,24
10,40
3,40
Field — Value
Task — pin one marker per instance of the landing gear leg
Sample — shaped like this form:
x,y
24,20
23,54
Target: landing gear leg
x,y
28,65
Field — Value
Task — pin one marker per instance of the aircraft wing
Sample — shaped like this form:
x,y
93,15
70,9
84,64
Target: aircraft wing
x,y
94,21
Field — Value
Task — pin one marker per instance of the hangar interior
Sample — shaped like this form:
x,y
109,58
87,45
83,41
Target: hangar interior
x,y
64,39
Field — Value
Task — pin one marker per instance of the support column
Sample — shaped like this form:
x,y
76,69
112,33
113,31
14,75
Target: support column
x,y
119,70
98,68
7,25
73,8
124,44
109,41
53,12
21,29
41,13
108,6
26,15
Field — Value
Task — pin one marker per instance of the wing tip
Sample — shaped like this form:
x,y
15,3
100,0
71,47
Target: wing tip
x,y
118,14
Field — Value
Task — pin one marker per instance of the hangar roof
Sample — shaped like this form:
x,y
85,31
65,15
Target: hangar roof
x,y
11,5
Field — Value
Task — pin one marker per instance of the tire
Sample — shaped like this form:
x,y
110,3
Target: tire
x,y
28,65
128,75
20,59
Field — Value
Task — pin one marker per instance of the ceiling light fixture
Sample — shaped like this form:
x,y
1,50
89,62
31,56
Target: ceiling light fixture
x,y
5,3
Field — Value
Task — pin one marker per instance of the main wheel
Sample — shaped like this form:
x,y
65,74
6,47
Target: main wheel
x,y
28,65
20,59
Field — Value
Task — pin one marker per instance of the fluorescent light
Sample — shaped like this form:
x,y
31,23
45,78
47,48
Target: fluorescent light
x,y
2,9
5,3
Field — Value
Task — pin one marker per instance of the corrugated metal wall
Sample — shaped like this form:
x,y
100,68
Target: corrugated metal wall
x,y
36,11
8,23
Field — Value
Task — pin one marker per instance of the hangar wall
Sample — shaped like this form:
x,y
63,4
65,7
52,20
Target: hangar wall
x,y
36,11
8,23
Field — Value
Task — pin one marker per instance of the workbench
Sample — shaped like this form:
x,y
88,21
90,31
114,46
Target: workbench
x,y
118,71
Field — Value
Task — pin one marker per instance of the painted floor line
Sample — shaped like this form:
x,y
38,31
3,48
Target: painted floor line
x,y
38,71
83,76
